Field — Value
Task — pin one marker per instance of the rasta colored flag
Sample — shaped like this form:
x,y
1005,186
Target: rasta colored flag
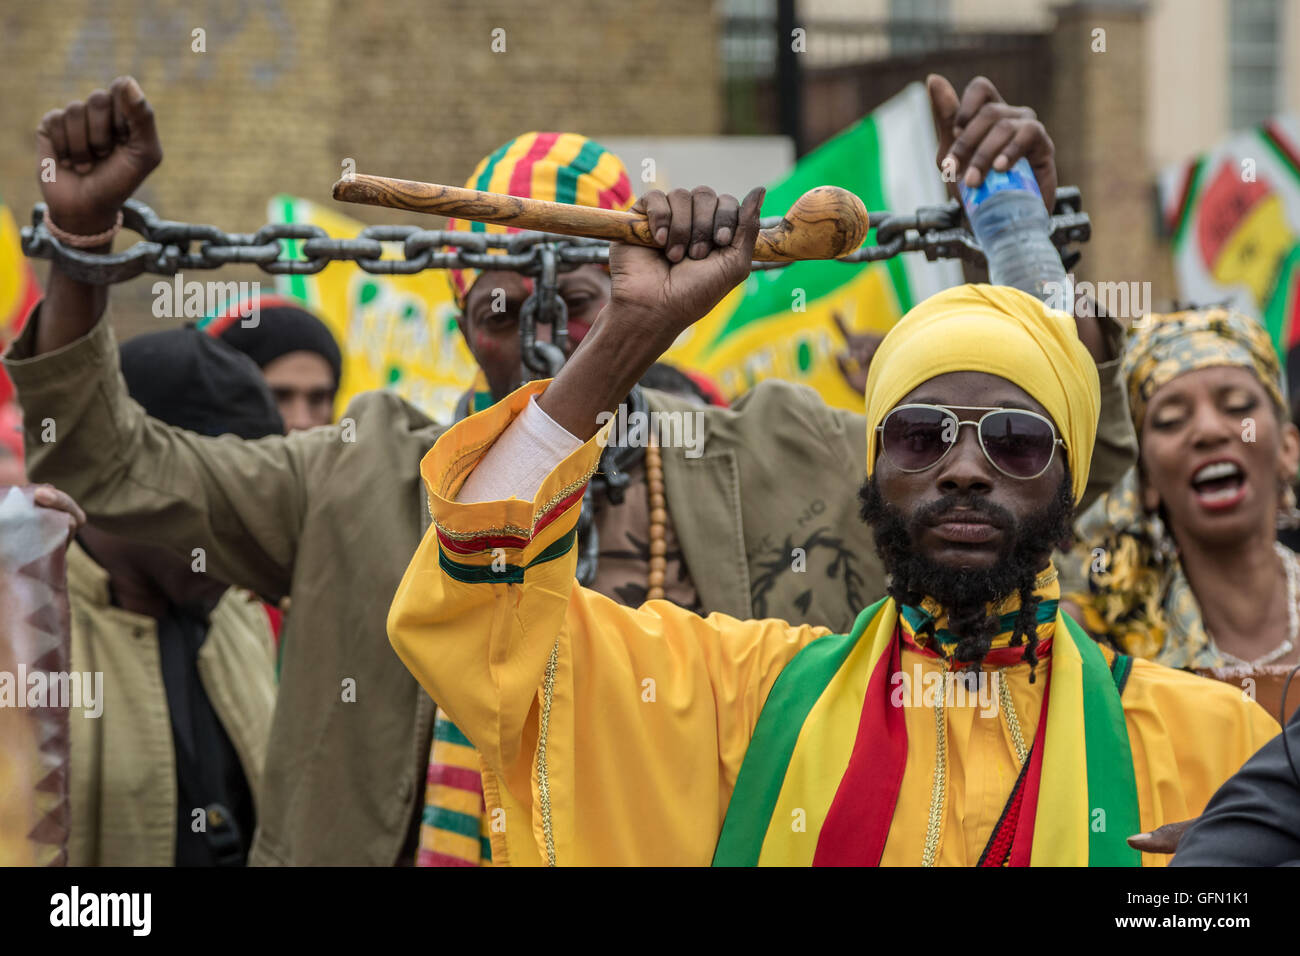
x,y
1234,213
779,323
400,332
18,289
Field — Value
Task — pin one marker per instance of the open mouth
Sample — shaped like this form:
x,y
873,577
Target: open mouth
x,y
1219,484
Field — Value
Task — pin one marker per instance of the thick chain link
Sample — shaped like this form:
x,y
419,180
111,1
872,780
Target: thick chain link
x,y
168,247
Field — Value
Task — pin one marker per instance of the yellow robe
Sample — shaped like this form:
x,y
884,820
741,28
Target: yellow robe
x,y
611,735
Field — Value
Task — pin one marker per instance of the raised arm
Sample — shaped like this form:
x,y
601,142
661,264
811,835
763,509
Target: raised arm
x,y
979,132
242,502
609,734
98,152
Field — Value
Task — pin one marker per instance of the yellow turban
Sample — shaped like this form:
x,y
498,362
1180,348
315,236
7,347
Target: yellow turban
x,y
1001,331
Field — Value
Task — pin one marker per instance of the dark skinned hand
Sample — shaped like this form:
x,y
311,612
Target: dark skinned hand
x,y
980,131
47,496
102,148
1162,839
855,362
655,295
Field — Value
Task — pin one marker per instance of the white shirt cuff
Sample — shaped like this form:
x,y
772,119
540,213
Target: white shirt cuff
x,y
518,462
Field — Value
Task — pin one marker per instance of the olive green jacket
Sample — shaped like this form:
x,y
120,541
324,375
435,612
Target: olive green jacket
x,y
122,763
333,515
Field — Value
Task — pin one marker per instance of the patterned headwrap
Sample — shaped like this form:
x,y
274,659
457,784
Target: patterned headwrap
x,y
558,167
1167,346
1001,331
1136,593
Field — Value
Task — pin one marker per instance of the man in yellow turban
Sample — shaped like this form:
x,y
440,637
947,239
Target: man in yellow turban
x,y
961,720
760,520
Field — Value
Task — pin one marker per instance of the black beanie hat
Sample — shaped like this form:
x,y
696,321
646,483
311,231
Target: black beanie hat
x,y
282,329
191,380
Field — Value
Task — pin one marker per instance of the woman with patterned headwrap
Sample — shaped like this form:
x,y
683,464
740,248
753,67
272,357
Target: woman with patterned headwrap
x,y
1181,558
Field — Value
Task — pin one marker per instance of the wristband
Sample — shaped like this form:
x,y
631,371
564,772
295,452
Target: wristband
x,y
82,242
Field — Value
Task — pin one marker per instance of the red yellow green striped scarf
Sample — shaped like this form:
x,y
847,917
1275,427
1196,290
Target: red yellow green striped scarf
x,y
829,744
454,824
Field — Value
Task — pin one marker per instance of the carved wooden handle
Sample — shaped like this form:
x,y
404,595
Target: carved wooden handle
x,y
824,223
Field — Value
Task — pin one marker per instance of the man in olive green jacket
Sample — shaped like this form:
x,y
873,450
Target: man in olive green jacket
x,y
122,765
170,771
334,514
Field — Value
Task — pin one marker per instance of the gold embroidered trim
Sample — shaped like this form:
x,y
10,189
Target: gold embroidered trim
x,y
543,773
464,462
564,492
939,789
512,529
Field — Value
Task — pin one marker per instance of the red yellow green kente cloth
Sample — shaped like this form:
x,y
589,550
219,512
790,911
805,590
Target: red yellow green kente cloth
x,y
858,821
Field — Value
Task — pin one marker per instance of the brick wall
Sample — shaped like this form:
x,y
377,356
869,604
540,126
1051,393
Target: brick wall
x,y
287,88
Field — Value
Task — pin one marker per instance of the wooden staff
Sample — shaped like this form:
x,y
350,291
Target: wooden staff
x,y
824,223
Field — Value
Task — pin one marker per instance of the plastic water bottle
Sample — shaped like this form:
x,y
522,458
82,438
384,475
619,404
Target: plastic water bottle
x,y
1013,227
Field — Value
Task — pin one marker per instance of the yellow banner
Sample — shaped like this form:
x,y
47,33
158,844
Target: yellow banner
x,y
797,346
395,332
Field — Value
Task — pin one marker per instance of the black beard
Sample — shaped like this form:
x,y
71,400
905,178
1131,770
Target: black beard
x,y
966,593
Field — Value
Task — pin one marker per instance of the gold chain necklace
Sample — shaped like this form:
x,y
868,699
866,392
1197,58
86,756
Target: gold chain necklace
x,y
654,466
939,787
1013,722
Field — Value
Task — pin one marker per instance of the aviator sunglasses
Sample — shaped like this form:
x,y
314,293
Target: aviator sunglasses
x,y
1018,443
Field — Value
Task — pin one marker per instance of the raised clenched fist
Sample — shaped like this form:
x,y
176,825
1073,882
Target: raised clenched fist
x,y
92,155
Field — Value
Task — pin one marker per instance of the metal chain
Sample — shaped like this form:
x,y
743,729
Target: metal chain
x,y
939,782
168,247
